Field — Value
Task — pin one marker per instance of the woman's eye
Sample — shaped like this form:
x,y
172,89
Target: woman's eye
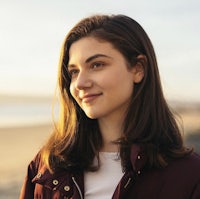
x,y
73,72
97,65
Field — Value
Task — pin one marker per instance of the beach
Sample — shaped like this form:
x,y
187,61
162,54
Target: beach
x,y
18,146
20,143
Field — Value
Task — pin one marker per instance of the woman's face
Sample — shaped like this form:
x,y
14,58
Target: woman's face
x,y
101,82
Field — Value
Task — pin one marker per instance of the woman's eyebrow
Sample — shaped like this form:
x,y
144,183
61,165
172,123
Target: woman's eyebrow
x,y
89,59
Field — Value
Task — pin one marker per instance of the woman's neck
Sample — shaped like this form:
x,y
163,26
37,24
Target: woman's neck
x,y
111,131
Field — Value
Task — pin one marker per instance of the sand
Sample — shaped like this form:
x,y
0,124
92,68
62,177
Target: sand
x,y
19,145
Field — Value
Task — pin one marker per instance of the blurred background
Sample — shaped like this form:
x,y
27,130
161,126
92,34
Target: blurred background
x,y
31,35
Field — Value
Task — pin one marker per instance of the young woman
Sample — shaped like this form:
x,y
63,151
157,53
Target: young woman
x,y
116,136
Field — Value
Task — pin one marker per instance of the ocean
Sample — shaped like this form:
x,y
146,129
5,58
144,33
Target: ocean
x,y
24,113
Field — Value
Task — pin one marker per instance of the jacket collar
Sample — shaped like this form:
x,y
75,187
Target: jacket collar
x,y
63,179
138,157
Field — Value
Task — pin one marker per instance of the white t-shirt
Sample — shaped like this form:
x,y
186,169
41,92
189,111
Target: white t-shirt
x,y
102,183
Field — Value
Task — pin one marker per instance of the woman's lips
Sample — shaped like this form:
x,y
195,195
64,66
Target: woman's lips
x,y
90,97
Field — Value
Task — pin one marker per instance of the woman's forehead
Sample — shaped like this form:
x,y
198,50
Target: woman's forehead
x,y
88,47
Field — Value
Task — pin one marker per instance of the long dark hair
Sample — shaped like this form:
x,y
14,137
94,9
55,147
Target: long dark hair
x,y
149,121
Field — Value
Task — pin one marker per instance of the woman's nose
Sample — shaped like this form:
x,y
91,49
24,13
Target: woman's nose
x,y
83,81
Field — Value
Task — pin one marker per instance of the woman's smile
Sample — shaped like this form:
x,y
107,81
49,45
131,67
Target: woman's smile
x,y
89,98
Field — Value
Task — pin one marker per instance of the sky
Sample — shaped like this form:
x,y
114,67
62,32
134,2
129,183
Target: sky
x,y
32,32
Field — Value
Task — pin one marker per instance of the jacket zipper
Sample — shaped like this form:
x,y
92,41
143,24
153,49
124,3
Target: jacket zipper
x,y
77,186
127,183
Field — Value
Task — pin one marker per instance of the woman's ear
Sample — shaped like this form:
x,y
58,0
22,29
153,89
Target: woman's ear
x,y
139,68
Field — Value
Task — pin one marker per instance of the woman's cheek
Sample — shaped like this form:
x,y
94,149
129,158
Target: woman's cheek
x,y
72,91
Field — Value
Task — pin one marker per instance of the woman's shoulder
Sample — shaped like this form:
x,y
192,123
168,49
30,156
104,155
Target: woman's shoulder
x,y
40,171
188,166
59,179
192,161
40,178
34,165
195,158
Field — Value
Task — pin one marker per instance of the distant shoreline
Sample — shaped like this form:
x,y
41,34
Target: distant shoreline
x,y
26,126
50,98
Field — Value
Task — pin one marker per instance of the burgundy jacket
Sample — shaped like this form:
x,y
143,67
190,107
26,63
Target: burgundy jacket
x,y
179,180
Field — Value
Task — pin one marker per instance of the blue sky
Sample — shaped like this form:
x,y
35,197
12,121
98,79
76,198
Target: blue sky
x,y
32,32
